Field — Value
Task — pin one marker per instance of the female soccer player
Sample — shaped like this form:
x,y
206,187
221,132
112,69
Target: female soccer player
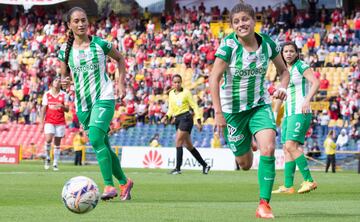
x,y
54,106
180,101
84,57
241,103
297,119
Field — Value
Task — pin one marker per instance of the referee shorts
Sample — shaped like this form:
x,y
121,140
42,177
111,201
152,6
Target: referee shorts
x,y
184,122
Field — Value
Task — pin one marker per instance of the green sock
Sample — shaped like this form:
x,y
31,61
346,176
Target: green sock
x,y
103,155
289,173
303,166
266,176
116,167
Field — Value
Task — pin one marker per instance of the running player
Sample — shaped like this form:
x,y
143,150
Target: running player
x,y
241,103
297,119
84,57
52,118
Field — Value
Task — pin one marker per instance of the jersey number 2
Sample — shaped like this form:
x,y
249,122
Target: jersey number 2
x,y
297,128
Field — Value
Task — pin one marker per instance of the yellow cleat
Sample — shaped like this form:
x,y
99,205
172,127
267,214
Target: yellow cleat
x,y
283,189
307,186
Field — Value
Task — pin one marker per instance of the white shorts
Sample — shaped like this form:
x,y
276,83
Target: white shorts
x,y
56,130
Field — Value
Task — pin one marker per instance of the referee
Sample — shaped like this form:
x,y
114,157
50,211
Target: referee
x,y
180,101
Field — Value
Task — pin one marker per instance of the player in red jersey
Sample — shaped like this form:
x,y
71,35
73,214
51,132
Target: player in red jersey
x,y
52,117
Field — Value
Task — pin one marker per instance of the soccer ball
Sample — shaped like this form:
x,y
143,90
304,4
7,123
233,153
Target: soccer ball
x,y
80,194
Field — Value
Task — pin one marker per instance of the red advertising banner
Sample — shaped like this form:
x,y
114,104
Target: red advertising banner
x,y
9,154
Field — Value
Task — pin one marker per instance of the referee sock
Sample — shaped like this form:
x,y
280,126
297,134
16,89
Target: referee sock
x,y
266,176
116,167
179,157
303,166
289,173
198,157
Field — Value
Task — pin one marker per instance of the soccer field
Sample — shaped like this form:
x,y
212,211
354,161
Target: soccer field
x,y
29,193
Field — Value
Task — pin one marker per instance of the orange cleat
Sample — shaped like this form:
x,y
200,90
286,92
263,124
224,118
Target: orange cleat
x,y
307,186
264,210
285,190
125,190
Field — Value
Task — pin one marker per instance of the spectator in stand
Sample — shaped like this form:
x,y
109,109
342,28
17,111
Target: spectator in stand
x,y
342,141
357,25
314,151
311,44
324,85
324,120
141,111
346,112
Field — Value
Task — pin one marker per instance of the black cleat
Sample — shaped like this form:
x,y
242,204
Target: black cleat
x,y
206,169
175,172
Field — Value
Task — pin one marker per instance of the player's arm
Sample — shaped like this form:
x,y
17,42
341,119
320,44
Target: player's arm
x,y
217,71
315,83
284,74
116,55
65,107
170,111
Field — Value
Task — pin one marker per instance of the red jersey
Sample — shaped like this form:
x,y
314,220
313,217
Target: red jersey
x,y
53,114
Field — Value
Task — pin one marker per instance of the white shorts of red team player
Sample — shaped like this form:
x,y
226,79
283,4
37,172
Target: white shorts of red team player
x,y
56,130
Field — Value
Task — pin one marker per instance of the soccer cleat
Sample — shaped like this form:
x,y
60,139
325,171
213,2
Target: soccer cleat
x,y
109,193
264,210
206,169
47,164
125,190
175,172
307,186
55,168
283,189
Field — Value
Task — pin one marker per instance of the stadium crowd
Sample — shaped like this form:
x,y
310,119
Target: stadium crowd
x,y
156,47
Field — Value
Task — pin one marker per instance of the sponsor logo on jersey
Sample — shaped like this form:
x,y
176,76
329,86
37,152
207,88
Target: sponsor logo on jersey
x,y
221,52
85,68
231,137
251,58
231,43
250,72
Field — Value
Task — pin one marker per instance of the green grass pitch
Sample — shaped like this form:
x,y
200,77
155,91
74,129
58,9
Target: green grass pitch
x,y
29,193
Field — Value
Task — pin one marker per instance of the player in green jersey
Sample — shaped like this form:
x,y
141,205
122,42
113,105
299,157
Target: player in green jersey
x,y
297,119
84,57
241,103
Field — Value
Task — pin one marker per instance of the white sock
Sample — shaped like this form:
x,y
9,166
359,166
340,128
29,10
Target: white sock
x,y
47,148
56,155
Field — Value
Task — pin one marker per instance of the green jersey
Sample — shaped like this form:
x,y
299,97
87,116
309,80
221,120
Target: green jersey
x,y
88,70
244,79
297,89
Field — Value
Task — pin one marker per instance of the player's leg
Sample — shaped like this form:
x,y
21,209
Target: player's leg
x,y
126,184
290,165
179,140
49,131
262,126
59,134
295,135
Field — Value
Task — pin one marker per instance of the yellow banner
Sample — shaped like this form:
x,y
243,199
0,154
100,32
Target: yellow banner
x,y
319,105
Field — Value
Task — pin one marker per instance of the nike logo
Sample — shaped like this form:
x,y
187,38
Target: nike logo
x,y
98,151
97,121
267,178
295,135
306,168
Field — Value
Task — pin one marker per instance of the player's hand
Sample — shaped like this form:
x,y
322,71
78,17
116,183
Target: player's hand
x,y
280,93
122,91
305,107
65,82
220,123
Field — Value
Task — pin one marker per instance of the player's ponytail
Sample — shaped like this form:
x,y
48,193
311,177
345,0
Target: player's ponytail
x,y
69,44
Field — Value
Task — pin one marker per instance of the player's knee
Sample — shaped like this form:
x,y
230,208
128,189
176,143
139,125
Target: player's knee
x,y
244,165
96,137
290,146
268,149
